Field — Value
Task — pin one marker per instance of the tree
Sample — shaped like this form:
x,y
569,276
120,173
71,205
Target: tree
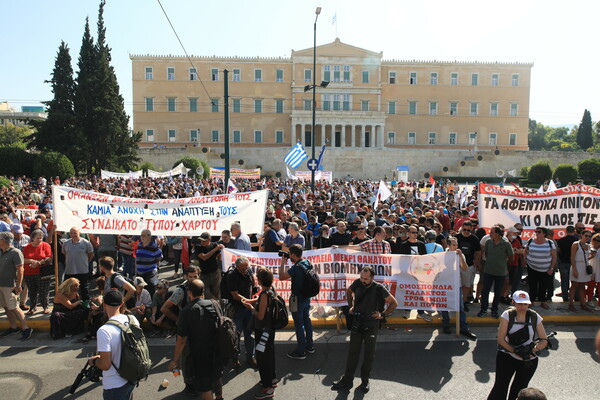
x,y
145,166
539,172
52,164
5,182
565,173
589,170
193,164
12,135
15,161
585,139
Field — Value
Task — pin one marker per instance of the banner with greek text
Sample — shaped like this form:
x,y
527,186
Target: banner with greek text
x,y
428,282
319,176
235,173
126,175
103,213
553,210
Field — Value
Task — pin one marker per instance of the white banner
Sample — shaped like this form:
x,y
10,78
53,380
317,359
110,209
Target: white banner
x,y
103,213
429,282
127,175
319,176
178,170
553,210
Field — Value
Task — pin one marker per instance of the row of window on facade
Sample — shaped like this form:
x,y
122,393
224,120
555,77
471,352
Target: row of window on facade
x,y
338,74
339,102
432,137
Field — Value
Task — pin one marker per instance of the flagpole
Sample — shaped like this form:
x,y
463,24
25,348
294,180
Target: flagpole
x,y
314,97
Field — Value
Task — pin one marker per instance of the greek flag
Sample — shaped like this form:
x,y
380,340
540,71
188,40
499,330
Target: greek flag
x,y
295,157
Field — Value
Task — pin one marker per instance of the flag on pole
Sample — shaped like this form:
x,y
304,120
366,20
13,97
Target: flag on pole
x,y
551,186
290,175
431,192
334,19
231,189
295,157
320,160
431,180
541,189
354,193
382,193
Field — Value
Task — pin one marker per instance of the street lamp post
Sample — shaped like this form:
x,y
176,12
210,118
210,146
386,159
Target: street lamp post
x,y
314,97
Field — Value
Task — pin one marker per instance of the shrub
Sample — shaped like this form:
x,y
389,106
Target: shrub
x,y
539,172
16,161
52,164
193,164
565,173
589,170
145,166
524,171
4,182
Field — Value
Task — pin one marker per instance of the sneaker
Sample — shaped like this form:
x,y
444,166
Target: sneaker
x,y
26,334
365,386
9,332
310,350
482,313
469,335
24,307
264,393
425,317
342,384
294,355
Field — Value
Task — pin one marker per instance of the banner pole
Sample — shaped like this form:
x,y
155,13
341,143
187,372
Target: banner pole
x,y
457,316
55,245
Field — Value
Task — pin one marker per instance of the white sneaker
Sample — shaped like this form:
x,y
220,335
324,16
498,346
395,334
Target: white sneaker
x,y
425,317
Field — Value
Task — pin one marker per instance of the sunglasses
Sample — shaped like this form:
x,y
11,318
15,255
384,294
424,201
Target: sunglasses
x,y
412,232
587,236
466,230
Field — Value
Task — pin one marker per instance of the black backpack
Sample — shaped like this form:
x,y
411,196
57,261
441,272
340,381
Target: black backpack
x,y
277,311
531,318
224,287
185,299
227,341
311,286
135,358
131,302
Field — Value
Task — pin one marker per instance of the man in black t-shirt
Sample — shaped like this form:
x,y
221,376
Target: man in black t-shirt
x,y
564,259
470,247
206,252
340,237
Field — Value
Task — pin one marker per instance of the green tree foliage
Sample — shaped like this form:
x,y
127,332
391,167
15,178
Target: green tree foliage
x,y
584,133
589,170
193,164
524,171
542,137
539,172
5,182
565,173
145,166
16,161
11,135
52,164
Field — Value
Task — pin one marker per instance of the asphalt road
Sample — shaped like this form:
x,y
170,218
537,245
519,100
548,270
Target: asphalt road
x,y
410,364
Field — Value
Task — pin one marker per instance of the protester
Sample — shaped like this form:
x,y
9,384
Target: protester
x,y
531,394
541,261
595,263
498,252
114,280
78,254
143,302
160,296
241,241
580,259
147,257
172,307
69,312
207,253
37,254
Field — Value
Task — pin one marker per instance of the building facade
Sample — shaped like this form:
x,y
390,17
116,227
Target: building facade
x,y
369,104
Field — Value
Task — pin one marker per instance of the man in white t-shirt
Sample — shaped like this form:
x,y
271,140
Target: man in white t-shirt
x,y
109,350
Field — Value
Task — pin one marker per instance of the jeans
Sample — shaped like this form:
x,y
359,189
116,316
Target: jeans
x,y
303,326
243,319
151,278
356,340
124,392
506,367
564,269
128,265
462,316
498,283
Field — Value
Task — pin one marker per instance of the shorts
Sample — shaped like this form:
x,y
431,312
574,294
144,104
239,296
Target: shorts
x,y
467,278
8,300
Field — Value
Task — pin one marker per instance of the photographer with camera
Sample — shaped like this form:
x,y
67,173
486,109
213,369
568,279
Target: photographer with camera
x,y
517,349
366,299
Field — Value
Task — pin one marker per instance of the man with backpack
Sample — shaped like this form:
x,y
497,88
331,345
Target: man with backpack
x,y
120,371
179,299
299,299
114,280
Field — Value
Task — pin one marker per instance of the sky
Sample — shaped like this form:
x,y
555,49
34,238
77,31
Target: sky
x,y
558,37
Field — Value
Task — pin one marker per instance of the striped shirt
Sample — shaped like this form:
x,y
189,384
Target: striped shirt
x,y
539,256
147,257
126,244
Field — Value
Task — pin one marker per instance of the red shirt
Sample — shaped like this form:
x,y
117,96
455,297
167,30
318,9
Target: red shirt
x,y
37,253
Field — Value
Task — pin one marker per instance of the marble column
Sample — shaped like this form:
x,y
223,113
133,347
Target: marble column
x,y
353,135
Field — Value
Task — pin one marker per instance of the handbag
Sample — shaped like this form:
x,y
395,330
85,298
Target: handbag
x,y
588,269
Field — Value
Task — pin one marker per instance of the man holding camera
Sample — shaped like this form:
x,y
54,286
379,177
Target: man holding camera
x,y
299,305
366,299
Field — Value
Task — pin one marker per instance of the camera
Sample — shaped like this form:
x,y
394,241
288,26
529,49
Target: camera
x,y
93,373
283,254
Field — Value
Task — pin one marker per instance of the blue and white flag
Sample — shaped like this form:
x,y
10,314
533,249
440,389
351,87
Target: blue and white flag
x,y
320,161
295,157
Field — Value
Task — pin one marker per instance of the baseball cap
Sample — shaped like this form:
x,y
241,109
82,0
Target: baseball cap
x,y
139,281
113,298
205,236
512,229
17,228
521,297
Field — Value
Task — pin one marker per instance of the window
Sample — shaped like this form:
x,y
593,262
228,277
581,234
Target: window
x,y
365,77
431,138
257,136
258,75
307,75
257,105
515,80
493,139
433,107
171,74
214,74
171,104
236,75
412,107
307,105
326,103
392,77
453,108
308,138
474,108
279,106
214,136
514,110
214,105
336,73
237,136
452,138
193,104
346,103
412,138
327,73
454,79
193,135
364,105
149,103
149,135
193,74
494,79
149,73
472,138
237,105
346,73
434,78
279,75
172,135
336,102
278,136
494,109
512,139
474,79
391,137
412,78
391,107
